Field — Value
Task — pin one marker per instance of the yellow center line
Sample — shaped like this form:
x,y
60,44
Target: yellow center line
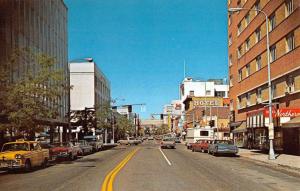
x,y
107,184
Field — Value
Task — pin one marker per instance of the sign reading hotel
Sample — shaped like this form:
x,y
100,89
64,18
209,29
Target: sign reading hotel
x,y
208,101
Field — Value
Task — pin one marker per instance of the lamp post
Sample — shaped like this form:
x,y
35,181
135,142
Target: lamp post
x,y
271,125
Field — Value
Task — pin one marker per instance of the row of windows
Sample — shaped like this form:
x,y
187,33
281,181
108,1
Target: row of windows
x,y
287,85
288,8
247,70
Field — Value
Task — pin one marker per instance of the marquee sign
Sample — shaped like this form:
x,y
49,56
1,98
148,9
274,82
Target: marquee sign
x,y
208,101
283,112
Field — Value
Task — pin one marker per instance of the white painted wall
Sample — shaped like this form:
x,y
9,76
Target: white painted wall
x,y
82,81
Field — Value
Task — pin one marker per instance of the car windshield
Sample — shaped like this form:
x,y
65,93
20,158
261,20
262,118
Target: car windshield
x,y
224,142
61,144
15,147
168,139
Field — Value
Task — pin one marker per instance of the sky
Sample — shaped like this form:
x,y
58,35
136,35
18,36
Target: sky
x,y
141,45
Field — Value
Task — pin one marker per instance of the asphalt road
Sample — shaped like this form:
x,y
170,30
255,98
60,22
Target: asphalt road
x,y
148,170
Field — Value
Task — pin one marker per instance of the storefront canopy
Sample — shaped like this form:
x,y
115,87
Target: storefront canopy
x,y
241,128
293,123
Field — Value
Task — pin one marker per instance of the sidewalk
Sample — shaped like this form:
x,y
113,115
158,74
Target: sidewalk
x,y
283,160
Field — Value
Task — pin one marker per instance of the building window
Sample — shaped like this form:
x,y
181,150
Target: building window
x,y
247,19
290,84
230,60
273,93
290,42
239,28
239,102
258,63
247,44
239,52
257,7
192,93
258,95
207,92
272,22
230,40
240,75
272,53
219,94
248,102
239,3
229,19
247,70
289,8
258,34
230,81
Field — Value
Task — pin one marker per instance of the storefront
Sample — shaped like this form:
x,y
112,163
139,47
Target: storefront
x,y
239,133
291,136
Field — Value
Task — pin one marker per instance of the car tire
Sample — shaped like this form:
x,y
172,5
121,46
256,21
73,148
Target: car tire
x,y
208,151
27,167
45,163
193,150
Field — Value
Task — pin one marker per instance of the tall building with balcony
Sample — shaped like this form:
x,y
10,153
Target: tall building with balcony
x,y
40,26
248,76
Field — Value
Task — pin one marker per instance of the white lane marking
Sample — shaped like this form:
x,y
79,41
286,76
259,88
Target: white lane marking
x,y
169,163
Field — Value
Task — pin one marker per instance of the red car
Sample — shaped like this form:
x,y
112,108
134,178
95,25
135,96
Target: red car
x,y
201,145
65,150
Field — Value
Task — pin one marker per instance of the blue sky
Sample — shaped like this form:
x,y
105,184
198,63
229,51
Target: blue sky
x,y
141,44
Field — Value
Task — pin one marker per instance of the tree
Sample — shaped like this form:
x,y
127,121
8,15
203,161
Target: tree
x,y
123,126
163,129
34,96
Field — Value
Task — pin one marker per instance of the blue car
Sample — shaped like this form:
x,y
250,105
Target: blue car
x,y
222,147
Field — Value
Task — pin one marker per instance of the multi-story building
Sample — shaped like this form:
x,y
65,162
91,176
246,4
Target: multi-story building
x,y
209,88
90,87
40,26
248,68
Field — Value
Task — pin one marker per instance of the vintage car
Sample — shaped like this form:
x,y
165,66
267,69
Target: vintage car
x,y
23,155
222,147
52,155
95,142
65,150
129,141
85,147
200,145
168,143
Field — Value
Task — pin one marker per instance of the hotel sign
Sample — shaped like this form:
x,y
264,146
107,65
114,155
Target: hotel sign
x,y
209,101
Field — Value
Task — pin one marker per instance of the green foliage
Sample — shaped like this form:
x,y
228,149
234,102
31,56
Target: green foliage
x,y
34,95
103,116
163,129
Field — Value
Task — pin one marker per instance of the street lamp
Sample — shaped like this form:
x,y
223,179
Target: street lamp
x,y
271,125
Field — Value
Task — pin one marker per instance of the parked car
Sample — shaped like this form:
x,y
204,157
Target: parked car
x,y
52,155
222,147
65,150
201,145
168,143
23,155
150,138
85,147
177,140
95,142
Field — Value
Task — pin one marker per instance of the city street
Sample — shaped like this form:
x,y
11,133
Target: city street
x,y
152,169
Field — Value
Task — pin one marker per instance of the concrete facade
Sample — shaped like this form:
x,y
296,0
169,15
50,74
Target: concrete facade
x,y
90,87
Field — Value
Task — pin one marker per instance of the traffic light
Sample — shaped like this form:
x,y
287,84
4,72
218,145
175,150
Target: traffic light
x,y
161,116
203,112
212,123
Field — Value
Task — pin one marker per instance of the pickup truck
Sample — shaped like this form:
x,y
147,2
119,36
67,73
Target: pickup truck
x,y
23,155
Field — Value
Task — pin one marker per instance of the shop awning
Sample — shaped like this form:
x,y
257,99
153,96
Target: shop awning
x,y
241,128
293,123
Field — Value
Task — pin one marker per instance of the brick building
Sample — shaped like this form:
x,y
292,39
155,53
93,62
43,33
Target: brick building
x,y
247,53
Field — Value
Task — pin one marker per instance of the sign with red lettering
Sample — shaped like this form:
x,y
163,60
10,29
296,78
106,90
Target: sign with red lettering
x,y
283,112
